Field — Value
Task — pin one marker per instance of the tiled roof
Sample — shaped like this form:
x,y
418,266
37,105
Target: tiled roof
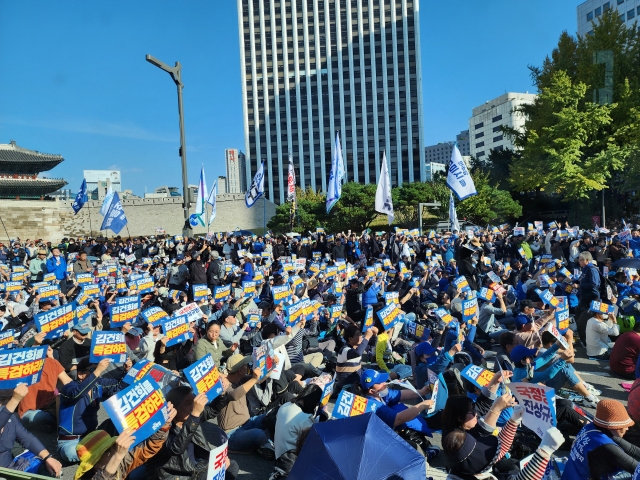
x,y
29,186
15,158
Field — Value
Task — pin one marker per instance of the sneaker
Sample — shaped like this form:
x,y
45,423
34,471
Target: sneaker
x,y
591,389
277,473
432,452
267,451
589,404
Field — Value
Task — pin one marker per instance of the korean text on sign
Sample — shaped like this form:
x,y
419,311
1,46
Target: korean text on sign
x,y
22,365
108,345
55,322
154,315
140,407
479,376
389,315
218,463
126,309
221,294
350,405
263,358
539,406
204,377
176,330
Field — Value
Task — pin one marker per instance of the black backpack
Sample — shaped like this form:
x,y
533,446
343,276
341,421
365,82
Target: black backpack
x,y
604,283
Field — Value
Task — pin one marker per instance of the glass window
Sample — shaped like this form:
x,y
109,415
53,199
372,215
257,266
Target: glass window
x,y
630,14
479,135
480,144
638,11
479,154
479,125
606,6
620,2
621,16
496,118
589,16
497,129
598,11
498,138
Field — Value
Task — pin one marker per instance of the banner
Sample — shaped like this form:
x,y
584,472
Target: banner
x,y
389,315
222,294
176,330
23,365
249,289
154,315
108,345
349,405
204,377
281,293
200,291
7,338
55,322
218,463
141,407
479,376
263,358
126,309
539,406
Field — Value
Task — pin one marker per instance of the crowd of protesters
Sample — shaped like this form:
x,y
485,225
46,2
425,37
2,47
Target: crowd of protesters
x,y
341,338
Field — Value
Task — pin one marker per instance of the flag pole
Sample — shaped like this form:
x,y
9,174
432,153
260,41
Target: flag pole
x,y
90,226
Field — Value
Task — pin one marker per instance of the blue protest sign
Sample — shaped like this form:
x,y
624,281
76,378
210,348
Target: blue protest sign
x,y
222,294
462,284
84,278
144,285
91,291
200,291
249,289
55,322
49,292
349,405
22,365
562,319
161,375
469,309
108,345
82,314
547,297
294,313
7,338
176,330
263,358
141,407
281,293
389,315
479,376
204,377
154,315
368,319
125,310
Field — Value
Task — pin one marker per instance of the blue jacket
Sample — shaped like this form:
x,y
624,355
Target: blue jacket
x,y
370,296
14,431
80,402
519,372
590,282
634,245
60,270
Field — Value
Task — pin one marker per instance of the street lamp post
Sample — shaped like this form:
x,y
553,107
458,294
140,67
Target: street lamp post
x,y
175,75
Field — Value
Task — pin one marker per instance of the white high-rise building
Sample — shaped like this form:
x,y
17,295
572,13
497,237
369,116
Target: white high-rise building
x,y
590,11
236,171
485,124
311,68
441,152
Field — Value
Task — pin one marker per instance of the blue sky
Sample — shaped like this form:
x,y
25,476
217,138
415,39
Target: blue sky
x,y
74,80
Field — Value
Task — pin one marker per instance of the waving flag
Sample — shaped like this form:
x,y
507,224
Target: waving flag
x,y
459,178
212,201
384,204
291,192
196,218
115,219
81,198
256,189
453,216
334,188
106,203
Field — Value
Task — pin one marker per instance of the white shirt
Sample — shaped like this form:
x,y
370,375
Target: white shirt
x,y
291,421
598,336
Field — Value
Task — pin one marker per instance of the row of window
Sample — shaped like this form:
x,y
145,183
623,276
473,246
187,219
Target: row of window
x,y
598,11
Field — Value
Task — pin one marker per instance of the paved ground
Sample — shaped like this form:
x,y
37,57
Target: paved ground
x,y
255,468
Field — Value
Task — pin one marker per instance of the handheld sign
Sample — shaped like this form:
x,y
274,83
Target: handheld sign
x,y
479,376
23,365
254,318
108,345
84,278
249,289
162,376
130,258
49,277
349,405
222,294
281,293
55,322
126,309
562,319
6,339
335,312
144,285
218,463
391,297
154,315
554,331
177,330
204,377
469,309
12,286
368,319
601,307
141,406
486,294
389,315
200,292
91,291
539,406
444,315
417,329
547,297
191,310
263,358
294,313
49,292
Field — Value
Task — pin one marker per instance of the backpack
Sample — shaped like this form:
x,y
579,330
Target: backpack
x,y
604,283
221,273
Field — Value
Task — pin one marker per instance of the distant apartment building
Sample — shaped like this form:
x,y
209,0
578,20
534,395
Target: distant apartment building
x,y
591,10
222,185
236,171
441,152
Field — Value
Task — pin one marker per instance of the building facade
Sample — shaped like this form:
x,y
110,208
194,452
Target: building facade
x,y
311,68
236,171
222,185
590,11
99,181
441,152
485,124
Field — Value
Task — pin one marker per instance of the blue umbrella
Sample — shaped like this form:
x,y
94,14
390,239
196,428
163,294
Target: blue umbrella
x,y
356,448
627,263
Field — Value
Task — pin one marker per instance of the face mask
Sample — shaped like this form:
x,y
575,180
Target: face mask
x,y
383,393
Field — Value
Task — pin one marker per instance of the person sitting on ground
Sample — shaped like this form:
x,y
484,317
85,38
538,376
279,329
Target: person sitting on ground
x,y
625,353
212,344
599,327
599,450
527,327
349,362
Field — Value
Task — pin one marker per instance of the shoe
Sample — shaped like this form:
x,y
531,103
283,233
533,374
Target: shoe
x,y
432,452
589,404
277,473
267,452
591,389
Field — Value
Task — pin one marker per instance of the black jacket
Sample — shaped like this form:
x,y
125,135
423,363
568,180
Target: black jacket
x,y
173,461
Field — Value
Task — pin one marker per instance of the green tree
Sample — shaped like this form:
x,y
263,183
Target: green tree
x,y
355,209
489,204
310,213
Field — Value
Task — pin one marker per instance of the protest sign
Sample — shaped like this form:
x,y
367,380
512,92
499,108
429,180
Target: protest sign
x,y
131,258
49,277
161,375
82,314
191,310
200,291
253,318
479,376
84,278
601,307
154,315
108,345
55,322
469,309
539,406
554,331
121,285
327,391
562,319
101,272
249,289
10,287
7,338
368,319
349,405
416,329
176,330
281,293
486,294
49,292
145,285
263,358
91,291
391,297
547,297
218,463
126,309
141,407
294,313
494,277
389,315
23,365
517,231
222,294
444,315
204,377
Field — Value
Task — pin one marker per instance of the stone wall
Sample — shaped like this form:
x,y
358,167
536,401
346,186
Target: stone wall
x,y
53,220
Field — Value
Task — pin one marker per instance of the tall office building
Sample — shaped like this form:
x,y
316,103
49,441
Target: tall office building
x,y
236,171
314,67
485,132
441,152
590,11
222,185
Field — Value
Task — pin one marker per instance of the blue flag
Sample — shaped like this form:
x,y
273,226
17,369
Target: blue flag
x,y
334,188
115,219
81,198
256,189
